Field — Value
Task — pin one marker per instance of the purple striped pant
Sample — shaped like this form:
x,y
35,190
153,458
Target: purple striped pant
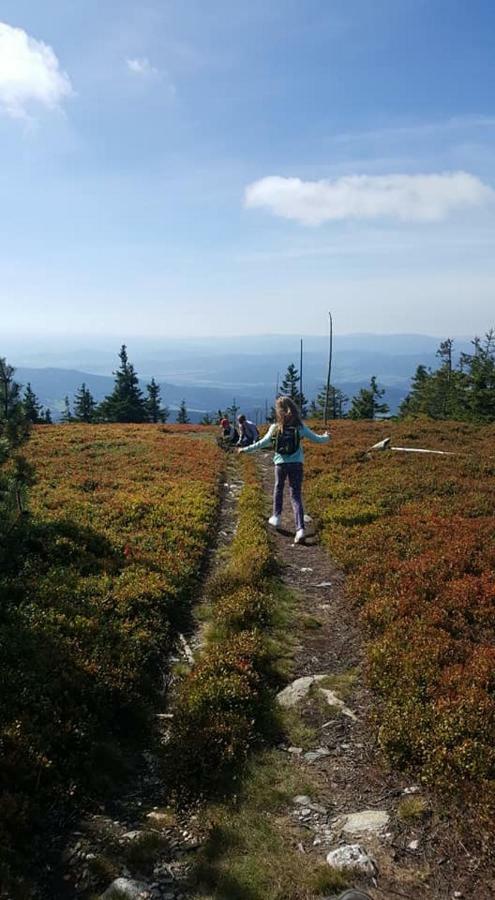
x,y
294,473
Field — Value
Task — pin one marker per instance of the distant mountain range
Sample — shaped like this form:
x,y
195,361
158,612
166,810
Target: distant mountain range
x,y
209,373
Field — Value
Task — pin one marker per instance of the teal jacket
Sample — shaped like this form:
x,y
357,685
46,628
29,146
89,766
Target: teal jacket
x,y
279,458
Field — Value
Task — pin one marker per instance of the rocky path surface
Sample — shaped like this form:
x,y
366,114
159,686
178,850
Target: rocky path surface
x,y
360,814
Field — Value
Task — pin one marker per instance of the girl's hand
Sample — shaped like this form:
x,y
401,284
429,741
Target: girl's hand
x,y
239,450
326,434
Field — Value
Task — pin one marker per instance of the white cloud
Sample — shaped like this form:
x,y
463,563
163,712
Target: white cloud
x,y
141,66
407,198
29,73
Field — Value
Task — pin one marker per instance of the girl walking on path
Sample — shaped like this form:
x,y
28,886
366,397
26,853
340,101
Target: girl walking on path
x,y
285,437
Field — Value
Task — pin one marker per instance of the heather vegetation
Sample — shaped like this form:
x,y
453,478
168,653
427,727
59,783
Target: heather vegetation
x,y
93,579
224,705
416,536
104,530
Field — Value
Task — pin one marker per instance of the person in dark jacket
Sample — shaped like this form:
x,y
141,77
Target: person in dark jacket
x,y
248,432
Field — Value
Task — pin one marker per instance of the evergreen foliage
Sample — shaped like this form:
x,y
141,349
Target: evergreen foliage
x,y
33,409
84,405
465,391
290,387
15,473
337,402
156,413
126,402
182,416
366,404
233,410
66,416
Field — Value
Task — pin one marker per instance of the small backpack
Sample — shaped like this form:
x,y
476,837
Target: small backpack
x,y
287,442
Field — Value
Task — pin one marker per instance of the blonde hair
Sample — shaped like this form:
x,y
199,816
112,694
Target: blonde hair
x,y
286,413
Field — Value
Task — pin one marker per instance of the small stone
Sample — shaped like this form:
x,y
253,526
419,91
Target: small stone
x,y
132,835
306,569
368,820
457,894
125,889
414,789
295,750
413,845
302,800
353,857
162,818
313,755
295,692
333,700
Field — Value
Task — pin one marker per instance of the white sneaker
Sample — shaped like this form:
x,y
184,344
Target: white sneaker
x,y
307,519
300,535
275,521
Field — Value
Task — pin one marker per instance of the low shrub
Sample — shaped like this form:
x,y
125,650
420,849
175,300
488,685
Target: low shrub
x,y
223,706
120,521
417,536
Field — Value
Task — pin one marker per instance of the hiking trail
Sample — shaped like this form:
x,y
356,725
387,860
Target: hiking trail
x,y
357,800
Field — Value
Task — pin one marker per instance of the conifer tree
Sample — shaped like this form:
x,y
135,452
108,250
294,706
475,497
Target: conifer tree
x,y
156,413
207,419
415,402
126,402
66,415
84,405
290,387
479,368
366,404
233,410
313,410
33,409
47,417
182,416
336,403
15,473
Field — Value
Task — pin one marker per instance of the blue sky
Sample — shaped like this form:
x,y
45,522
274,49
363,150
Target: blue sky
x,y
202,167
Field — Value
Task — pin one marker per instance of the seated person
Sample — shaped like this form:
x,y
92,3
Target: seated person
x,y
248,432
228,434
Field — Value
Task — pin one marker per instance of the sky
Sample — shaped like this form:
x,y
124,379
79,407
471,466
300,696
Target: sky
x,y
215,167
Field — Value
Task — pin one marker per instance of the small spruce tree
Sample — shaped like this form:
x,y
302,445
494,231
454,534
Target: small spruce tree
x,y
66,415
156,413
15,473
33,409
126,402
290,387
182,416
366,404
84,405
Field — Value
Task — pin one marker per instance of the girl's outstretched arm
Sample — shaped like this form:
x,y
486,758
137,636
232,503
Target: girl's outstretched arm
x,y
316,438
260,445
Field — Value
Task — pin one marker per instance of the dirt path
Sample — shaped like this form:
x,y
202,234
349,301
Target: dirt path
x,y
409,841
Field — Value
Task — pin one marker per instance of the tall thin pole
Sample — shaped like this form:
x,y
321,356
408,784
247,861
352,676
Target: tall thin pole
x,y
301,374
329,374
